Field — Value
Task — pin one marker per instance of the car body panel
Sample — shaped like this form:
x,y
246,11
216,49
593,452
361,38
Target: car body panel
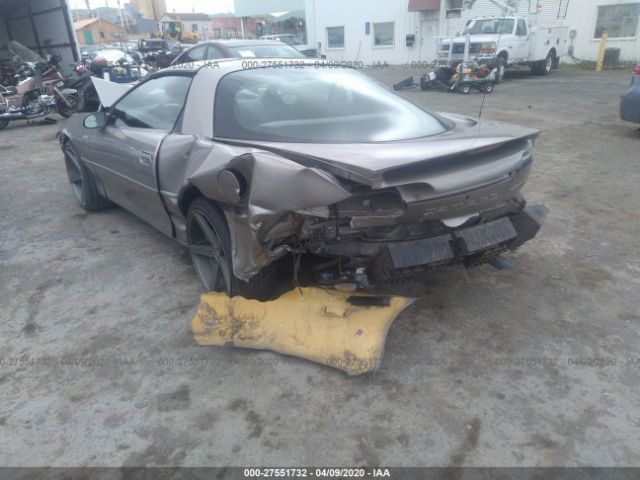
x,y
630,102
470,174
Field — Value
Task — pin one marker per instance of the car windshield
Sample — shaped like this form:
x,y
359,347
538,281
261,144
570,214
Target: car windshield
x,y
274,51
500,26
288,39
315,106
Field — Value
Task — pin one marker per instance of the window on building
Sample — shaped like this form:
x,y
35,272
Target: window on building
x,y
383,34
619,21
335,37
194,27
101,34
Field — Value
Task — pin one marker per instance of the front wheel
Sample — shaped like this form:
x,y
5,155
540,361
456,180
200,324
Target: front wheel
x,y
3,124
82,182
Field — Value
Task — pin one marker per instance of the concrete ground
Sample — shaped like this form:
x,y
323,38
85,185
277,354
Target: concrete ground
x,y
536,366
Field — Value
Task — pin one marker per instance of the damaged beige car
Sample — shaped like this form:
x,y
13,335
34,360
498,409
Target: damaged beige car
x,y
324,166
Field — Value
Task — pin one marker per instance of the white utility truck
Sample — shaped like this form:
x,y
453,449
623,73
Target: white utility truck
x,y
505,41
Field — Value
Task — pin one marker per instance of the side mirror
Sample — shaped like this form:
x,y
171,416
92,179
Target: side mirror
x,y
95,120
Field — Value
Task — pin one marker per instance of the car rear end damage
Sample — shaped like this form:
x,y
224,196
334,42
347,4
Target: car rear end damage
x,y
463,206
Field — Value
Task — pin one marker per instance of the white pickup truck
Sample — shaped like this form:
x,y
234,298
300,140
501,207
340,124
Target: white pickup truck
x,y
507,41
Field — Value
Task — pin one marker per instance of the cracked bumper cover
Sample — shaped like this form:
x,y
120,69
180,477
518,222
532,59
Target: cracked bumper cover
x,y
473,245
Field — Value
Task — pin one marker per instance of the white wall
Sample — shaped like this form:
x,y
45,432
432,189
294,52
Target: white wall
x,y
582,17
353,14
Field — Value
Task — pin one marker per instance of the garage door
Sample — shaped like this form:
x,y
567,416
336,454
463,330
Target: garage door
x,y
44,26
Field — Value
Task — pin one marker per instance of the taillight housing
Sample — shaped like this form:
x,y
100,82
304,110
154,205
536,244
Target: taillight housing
x,y
637,70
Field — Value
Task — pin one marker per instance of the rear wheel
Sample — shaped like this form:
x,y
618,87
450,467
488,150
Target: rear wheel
x,y
82,182
3,124
464,89
544,67
210,246
67,110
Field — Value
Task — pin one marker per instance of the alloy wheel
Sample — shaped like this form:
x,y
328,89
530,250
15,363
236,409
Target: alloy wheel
x,y
208,255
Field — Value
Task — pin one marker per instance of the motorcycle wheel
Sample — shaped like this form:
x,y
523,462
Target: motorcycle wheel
x,y
67,110
3,124
32,106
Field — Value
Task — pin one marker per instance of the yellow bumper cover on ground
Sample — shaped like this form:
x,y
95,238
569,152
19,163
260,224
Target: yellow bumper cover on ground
x,y
311,323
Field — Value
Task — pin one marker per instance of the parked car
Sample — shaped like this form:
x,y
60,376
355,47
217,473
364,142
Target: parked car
x,y
245,166
295,41
630,101
215,50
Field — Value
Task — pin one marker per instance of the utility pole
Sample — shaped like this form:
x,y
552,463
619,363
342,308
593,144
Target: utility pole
x,y
124,25
88,8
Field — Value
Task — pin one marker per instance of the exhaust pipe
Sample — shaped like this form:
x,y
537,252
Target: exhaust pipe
x,y
11,116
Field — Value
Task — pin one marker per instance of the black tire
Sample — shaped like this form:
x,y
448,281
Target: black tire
x,y
83,185
487,88
464,89
209,243
544,67
501,65
3,124
67,110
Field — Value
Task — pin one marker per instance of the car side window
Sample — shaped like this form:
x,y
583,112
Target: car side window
x,y
156,104
214,53
521,31
196,54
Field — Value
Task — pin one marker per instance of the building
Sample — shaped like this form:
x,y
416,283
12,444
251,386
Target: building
x,y
262,17
152,9
588,19
406,31
95,31
226,25
44,26
198,23
392,31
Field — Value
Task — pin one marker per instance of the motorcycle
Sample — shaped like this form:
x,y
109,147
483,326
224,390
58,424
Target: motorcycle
x,y
36,91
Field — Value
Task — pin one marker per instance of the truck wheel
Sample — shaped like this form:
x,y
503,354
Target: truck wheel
x,y
464,89
209,241
544,67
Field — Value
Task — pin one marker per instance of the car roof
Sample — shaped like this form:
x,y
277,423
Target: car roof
x,y
233,63
240,42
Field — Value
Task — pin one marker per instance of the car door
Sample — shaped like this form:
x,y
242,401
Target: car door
x,y
125,151
521,41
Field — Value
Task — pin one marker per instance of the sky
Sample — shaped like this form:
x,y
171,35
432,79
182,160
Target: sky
x,y
183,6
